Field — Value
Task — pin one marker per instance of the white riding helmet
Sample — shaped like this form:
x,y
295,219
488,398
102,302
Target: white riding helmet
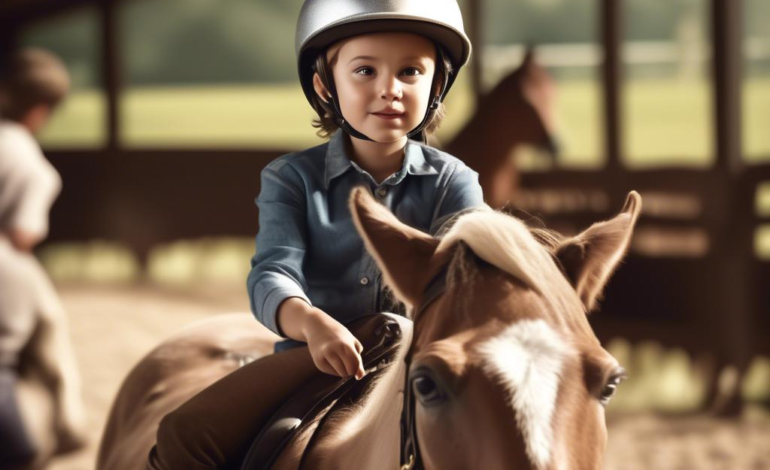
x,y
323,22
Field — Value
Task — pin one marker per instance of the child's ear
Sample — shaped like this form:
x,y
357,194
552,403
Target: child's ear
x,y
320,89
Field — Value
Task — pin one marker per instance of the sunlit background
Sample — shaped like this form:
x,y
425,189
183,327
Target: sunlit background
x,y
202,73
215,75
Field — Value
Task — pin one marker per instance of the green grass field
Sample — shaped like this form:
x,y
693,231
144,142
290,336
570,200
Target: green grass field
x,y
666,121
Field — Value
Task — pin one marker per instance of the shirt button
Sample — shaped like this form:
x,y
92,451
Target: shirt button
x,y
364,281
382,192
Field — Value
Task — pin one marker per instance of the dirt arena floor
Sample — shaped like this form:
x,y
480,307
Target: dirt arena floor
x,y
113,327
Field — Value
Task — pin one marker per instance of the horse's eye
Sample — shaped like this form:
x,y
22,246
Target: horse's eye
x,y
610,389
427,390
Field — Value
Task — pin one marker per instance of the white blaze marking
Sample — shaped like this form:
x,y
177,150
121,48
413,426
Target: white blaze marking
x,y
527,358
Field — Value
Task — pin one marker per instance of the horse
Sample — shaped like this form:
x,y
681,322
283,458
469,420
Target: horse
x,y
498,367
48,390
518,111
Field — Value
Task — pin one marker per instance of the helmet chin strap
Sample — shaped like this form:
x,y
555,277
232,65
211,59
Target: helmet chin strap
x,y
332,105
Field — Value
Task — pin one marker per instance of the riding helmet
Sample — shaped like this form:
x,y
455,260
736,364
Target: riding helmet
x,y
323,22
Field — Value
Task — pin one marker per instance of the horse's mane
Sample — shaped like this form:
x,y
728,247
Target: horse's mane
x,y
510,245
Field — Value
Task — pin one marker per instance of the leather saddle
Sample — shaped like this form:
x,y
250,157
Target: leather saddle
x,y
381,337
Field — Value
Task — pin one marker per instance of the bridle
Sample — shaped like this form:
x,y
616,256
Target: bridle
x,y
410,448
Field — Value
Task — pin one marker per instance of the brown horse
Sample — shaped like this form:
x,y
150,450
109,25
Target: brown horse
x,y
518,111
503,366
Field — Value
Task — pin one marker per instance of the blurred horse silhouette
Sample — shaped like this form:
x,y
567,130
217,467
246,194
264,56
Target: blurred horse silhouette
x,y
518,111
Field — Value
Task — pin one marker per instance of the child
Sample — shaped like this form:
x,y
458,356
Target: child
x,y
32,83
311,274
376,73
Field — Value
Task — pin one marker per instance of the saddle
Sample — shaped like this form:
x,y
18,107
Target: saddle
x,y
380,336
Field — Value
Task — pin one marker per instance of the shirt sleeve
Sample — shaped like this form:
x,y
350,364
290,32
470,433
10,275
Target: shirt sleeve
x,y
37,192
276,268
28,183
462,192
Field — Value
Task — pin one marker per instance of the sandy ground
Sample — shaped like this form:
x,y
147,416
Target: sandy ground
x,y
113,327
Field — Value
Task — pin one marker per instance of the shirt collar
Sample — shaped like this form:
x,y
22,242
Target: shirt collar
x,y
338,162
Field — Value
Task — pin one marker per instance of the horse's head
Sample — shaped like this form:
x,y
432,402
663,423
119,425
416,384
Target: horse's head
x,y
526,99
519,110
505,368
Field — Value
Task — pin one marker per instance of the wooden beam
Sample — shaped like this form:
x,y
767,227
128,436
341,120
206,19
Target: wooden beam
x,y
8,43
734,248
727,32
612,76
474,24
111,69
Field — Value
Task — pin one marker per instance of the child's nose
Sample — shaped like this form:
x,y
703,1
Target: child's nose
x,y
391,88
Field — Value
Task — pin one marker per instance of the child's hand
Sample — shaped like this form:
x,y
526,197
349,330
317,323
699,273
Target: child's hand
x,y
333,347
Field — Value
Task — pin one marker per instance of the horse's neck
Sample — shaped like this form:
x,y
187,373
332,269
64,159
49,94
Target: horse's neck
x,y
370,436
483,133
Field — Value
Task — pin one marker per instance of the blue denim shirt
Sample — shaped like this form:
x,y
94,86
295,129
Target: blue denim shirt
x,y
307,245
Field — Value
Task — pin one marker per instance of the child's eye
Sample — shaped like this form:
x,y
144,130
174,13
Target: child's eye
x,y
365,71
412,72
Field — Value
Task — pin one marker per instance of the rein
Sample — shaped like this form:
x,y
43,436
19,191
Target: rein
x,y
350,389
410,449
295,416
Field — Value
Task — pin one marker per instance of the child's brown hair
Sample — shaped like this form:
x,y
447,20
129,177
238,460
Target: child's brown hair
x,y
32,77
327,126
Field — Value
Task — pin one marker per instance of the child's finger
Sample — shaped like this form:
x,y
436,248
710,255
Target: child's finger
x,y
349,358
361,372
359,347
325,367
338,365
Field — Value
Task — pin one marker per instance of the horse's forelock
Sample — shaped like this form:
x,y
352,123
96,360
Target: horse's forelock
x,y
508,244
527,356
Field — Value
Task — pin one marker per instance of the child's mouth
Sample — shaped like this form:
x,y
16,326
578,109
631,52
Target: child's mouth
x,y
388,116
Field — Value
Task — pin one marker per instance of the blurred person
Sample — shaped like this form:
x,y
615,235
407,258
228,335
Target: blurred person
x,y
40,409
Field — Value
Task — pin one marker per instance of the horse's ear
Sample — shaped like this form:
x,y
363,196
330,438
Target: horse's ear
x,y
591,257
402,253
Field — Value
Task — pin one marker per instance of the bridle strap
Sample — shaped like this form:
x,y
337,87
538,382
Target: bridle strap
x,y
440,80
410,448
332,106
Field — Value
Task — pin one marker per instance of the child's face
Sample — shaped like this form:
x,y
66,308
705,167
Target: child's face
x,y
384,73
